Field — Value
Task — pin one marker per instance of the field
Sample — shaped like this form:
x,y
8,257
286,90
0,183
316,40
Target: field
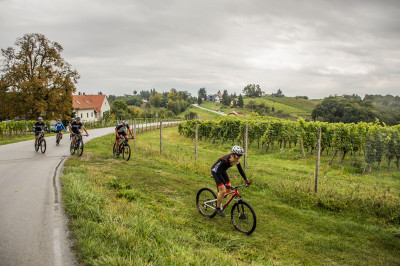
x,y
143,212
290,106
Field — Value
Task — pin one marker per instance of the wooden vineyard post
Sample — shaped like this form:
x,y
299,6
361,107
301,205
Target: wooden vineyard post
x,y
246,135
195,140
160,136
318,160
134,134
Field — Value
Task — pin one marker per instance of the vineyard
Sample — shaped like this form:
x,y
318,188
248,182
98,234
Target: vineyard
x,y
374,142
18,127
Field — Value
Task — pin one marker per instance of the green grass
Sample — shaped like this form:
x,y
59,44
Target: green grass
x,y
204,115
285,107
143,212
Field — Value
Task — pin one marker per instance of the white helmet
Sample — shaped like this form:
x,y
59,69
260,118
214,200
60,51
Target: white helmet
x,y
40,119
237,150
124,123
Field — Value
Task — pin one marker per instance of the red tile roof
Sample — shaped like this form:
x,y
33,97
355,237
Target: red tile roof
x,y
88,102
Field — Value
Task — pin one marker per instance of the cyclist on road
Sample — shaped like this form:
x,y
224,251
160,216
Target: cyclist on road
x,y
38,128
72,120
75,128
58,127
218,172
120,131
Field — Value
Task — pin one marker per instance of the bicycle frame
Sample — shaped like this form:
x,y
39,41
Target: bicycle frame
x,y
235,194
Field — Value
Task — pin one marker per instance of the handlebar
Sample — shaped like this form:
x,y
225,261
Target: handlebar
x,y
238,186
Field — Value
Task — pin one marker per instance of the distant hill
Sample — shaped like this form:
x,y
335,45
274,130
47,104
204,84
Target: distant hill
x,y
281,107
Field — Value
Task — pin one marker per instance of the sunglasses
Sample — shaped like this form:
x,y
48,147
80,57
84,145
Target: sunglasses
x,y
238,155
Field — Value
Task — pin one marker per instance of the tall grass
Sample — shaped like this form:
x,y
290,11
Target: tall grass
x,y
142,212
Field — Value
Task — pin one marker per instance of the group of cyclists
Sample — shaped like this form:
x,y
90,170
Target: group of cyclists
x,y
218,170
75,126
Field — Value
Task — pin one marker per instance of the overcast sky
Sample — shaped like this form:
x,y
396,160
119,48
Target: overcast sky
x,y
311,48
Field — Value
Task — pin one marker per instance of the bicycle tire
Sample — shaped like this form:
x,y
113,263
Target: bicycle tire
x,y
126,152
58,138
72,149
37,146
43,145
203,195
243,217
115,149
80,148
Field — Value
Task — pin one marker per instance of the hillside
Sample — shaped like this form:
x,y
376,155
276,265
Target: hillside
x,y
281,107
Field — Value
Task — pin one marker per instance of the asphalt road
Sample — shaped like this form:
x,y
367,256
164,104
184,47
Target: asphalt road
x,y
32,221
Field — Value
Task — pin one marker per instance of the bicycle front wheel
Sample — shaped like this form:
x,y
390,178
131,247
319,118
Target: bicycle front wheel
x,y
43,145
115,149
206,202
80,147
126,153
72,149
243,217
58,139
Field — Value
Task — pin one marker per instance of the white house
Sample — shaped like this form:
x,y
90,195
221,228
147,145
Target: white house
x,y
90,107
214,98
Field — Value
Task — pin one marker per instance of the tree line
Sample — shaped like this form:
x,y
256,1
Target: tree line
x,y
150,104
353,109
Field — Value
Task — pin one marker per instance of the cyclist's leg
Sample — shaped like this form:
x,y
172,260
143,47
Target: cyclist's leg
x,y
36,137
227,181
221,189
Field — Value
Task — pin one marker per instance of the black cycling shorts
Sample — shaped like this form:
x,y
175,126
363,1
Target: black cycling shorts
x,y
220,180
121,134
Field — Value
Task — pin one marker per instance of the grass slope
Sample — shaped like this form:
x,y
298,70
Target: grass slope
x,y
142,212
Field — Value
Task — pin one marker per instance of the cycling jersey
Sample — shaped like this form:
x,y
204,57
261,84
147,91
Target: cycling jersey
x,y
38,127
59,126
121,128
76,127
218,170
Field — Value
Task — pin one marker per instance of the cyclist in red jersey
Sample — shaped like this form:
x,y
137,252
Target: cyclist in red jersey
x,y
218,172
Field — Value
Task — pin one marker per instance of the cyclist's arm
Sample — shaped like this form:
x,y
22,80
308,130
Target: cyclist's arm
x,y
84,128
131,132
242,173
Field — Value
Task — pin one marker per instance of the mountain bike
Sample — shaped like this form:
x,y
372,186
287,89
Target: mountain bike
x,y
78,146
123,148
58,138
242,214
41,143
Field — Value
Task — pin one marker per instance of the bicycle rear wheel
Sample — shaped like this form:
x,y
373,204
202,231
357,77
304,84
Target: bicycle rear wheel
x,y
243,217
43,145
58,138
126,153
206,202
80,147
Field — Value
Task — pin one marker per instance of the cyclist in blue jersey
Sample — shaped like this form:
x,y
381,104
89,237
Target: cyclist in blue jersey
x,y
58,127
218,172
38,128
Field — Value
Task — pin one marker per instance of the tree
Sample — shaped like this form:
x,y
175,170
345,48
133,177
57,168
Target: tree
x,y
278,93
202,93
225,98
252,90
156,100
240,101
134,92
199,100
37,78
